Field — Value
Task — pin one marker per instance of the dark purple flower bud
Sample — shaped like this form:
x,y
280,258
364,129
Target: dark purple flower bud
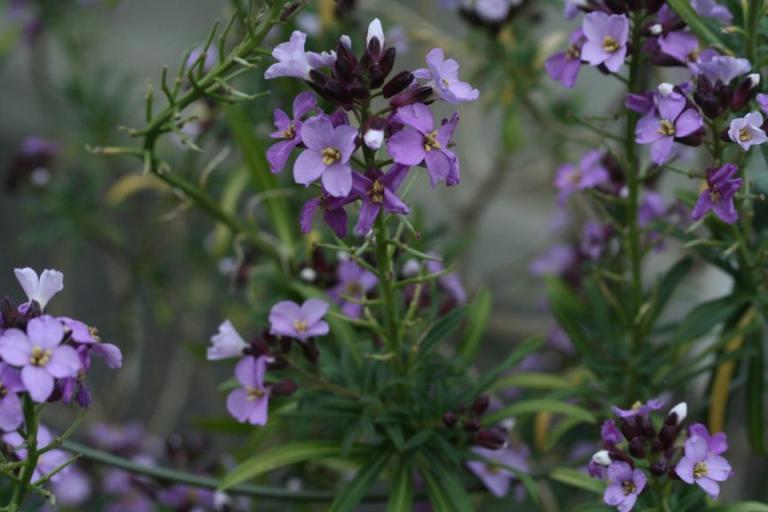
x,y
373,51
628,429
338,93
653,6
645,427
659,467
745,91
317,77
415,95
471,425
258,347
637,448
397,84
656,446
449,419
83,397
481,405
284,388
491,438
359,92
668,435
277,362
387,61
346,64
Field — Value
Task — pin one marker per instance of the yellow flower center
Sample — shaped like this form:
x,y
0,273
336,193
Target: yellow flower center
x,y
39,356
330,155
629,487
377,191
431,142
693,56
744,135
445,82
255,393
637,405
573,53
666,128
300,326
700,470
289,132
714,195
610,45
353,289
95,333
492,468
3,391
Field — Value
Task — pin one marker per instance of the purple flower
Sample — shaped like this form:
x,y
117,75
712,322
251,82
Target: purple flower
x,y
288,131
81,334
762,100
47,462
702,467
291,59
450,282
39,353
226,343
639,408
711,9
609,433
250,403
73,490
588,174
354,282
724,68
11,415
496,477
444,74
717,443
606,40
333,213
302,322
594,239
376,191
564,66
652,207
420,141
572,8
493,11
41,289
328,151
624,486
211,57
746,131
682,46
673,121
555,261
718,196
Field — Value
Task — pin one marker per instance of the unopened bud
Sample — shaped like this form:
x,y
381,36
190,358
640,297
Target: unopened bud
x,y
284,388
637,448
416,95
481,405
449,419
492,438
602,458
397,84
374,138
677,414
665,88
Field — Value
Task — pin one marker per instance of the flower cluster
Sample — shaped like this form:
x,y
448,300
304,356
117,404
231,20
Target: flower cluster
x,y
329,143
632,442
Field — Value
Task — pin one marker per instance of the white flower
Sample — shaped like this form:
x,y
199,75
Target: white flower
x,y
603,458
226,343
375,30
291,58
681,410
746,131
374,138
41,289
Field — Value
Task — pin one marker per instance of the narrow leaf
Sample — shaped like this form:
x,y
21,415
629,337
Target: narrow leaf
x,y
353,492
539,405
575,478
480,311
401,494
491,376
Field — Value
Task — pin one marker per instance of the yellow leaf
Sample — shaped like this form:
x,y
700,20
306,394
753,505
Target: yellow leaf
x,y
541,428
128,185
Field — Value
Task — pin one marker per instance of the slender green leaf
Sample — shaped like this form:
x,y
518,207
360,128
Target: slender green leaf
x,y
453,486
666,287
438,497
480,311
353,492
706,316
487,380
538,405
280,456
401,493
755,393
533,380
744,506
575,478
439,331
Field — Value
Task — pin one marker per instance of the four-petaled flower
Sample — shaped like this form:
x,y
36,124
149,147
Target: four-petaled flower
x,y
288,131
606,40
701,466
377,190
444,77
328,151
492,472
291,59
723,68
40,289
747,131
419,141
671,121
564,66
333,212
250,402
589,173
40,355
354,283
301,322
718,195
624,486
226,343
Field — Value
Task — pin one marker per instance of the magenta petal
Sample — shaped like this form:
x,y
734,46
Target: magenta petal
x,y
45,332
15,348
38,382
64,362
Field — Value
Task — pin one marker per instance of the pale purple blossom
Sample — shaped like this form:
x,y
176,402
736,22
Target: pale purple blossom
x,y
40,355
250,403
450,282
624,486
301,322
288,131
762,100
724,68
606,40
716,443
226,343
711,9
443,76
747,131
492,472
589,173
47,461
378,191
11,414
682,46
639,409
609,433
81,334
354,283
291,59
718,196
564,66
328,152
672,120
701,466
333,212
40,289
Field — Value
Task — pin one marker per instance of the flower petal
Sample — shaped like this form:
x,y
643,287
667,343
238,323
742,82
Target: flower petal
x,y
38,382
64,362
15,348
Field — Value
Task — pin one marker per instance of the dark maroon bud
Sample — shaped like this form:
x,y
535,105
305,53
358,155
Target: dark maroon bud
x,y
659,467
637,448
694,139
278,362
416,95
284,388
724,136
336,92
471,425
318,77
492,438
622,456
387,61
373,50
628,429
375,77
269,338
616,6
346,63
668,435
311,353
745,91
481,405
656,446
258,347
653,6
449,419
397,84
645,427
360,93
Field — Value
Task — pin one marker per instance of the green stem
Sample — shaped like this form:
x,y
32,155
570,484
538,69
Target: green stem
x,y
31,427
386,286
752,18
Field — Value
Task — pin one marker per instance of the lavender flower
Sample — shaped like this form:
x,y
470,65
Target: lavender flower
x,y
609,433
333,213
594,239
572,8
354,282
444,78
588,174
82,335
716,443
747,132
682,46
11,415
624,486
419,141
564,66
450,282
40,289
711,9
639,408
496,477
47,462
724,68
702,467
302,322
377,191
606,40
288,131
291,59
556,261
328,151
251,402
718,196
39,354
226,343
762,100
673,121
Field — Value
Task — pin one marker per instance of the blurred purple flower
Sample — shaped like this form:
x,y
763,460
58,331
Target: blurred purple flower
x,y
716,443
639,408
718,196
589,173
11,414
354,282
711,9
288,131
497,478
444,78
724,68
47,461
333,212
301,322
250,403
